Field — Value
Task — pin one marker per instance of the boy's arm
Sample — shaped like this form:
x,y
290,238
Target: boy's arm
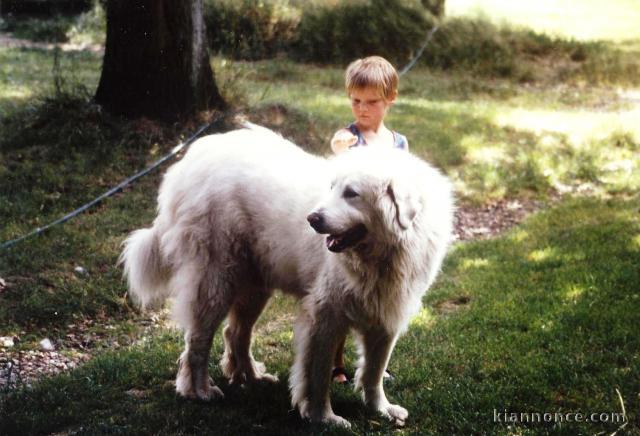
x,y
342,140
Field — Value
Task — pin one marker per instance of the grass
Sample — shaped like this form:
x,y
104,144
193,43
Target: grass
x,y
544,326
538,320
494,138
27,75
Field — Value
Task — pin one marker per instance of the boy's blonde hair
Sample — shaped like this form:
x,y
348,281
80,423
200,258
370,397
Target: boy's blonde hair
x,y
372,72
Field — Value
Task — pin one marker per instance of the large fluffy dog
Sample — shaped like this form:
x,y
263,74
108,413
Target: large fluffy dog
x,y
242,214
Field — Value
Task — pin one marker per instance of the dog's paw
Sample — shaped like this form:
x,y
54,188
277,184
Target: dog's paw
x,y
327,419
240,378
209,393
394,413
336,420
267,378
261,374
321,416
213,392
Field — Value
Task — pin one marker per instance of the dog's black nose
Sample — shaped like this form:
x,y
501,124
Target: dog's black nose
x,y
316,220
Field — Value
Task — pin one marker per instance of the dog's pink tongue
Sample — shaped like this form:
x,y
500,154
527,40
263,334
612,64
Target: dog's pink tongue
x,y
331,242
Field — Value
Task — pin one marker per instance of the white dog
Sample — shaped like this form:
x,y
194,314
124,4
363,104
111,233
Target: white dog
x,y
236,219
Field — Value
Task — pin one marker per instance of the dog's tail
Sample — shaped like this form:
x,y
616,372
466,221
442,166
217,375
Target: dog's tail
x,y
144,268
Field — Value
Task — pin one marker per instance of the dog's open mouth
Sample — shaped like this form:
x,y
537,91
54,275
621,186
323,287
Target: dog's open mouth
x,y
351,237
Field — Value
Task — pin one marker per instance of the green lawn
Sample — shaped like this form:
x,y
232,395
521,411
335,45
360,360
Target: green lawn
x,y
542,319
537,321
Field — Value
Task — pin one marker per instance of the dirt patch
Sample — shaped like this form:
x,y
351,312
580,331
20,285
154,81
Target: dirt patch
x,y
21,367
491,219
452,305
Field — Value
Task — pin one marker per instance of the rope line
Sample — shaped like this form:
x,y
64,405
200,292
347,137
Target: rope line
x,y
420,51
115,189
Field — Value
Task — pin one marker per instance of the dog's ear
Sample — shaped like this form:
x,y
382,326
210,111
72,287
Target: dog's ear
x,y
405,202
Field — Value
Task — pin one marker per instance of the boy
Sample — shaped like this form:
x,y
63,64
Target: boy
x,y
372,86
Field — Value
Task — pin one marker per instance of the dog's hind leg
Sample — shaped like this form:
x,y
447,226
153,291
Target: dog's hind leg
x,y
237,362
200,318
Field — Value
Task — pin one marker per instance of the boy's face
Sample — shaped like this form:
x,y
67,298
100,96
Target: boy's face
x,y
369,107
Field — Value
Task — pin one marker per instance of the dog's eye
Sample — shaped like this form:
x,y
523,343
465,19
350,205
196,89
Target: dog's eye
x,y
349,193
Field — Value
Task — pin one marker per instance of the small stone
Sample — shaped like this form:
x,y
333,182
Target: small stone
x,y
6,341
514,205
479,230
46,345
138,393
80,270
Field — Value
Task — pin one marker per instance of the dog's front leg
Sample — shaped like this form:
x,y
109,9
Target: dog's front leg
x,y
317,334
377,346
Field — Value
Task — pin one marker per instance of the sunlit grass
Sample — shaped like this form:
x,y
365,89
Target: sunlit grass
x,y
29,73
583,20
541,255
423,319
476,262
16,92
579,126
574,292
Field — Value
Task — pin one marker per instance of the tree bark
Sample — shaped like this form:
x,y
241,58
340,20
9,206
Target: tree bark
x,y
156,62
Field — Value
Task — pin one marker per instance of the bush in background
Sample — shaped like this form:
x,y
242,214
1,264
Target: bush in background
x,y
250,29
332,32
336,32
37,29
341,33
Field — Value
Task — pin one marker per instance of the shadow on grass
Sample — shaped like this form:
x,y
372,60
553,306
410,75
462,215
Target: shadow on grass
x,y
132,392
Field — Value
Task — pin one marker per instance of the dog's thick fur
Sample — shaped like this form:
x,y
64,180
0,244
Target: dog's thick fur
x,y
232,226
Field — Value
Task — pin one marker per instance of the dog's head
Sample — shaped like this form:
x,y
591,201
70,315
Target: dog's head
x,y
371,199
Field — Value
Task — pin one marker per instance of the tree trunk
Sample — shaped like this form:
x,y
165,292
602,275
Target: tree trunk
x,y
156,62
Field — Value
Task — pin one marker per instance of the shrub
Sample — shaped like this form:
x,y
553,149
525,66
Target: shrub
x,y
37,29
340,33
251,29
330,32
471,44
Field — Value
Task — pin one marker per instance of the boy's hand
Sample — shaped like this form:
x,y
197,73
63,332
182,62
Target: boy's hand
x,y
342,140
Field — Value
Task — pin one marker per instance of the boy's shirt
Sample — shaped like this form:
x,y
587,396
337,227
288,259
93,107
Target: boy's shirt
x,y
399,141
